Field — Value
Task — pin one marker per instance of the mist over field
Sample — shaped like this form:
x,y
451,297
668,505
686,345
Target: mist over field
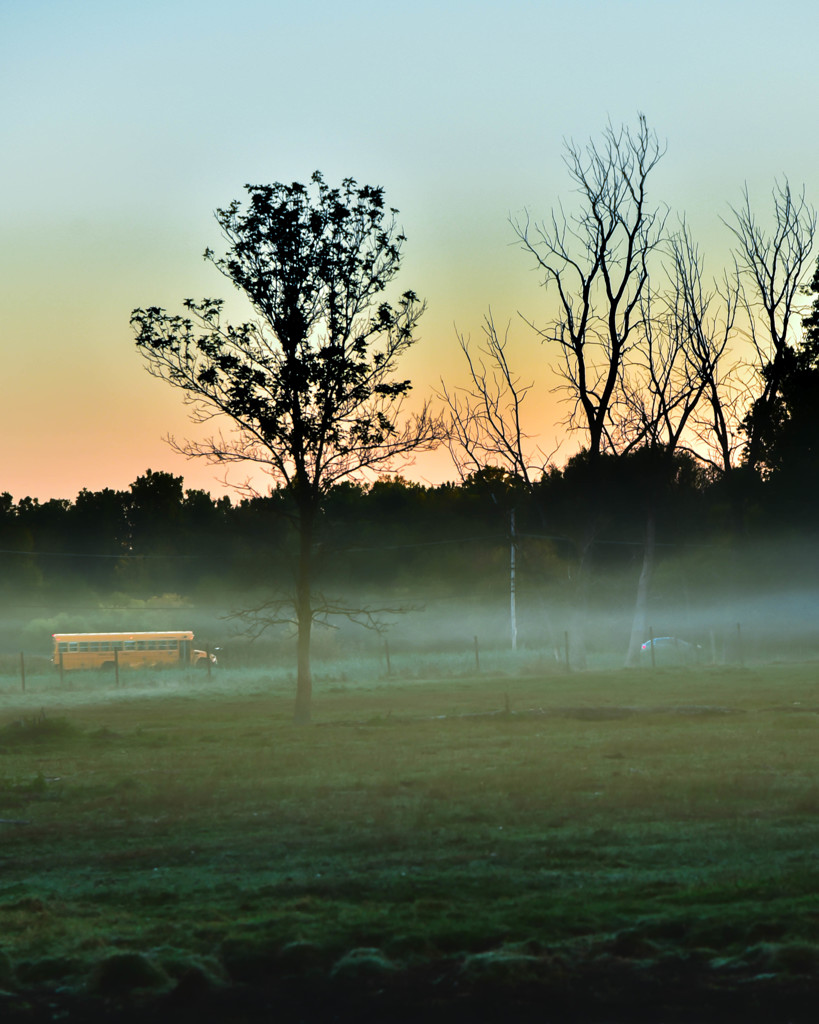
x,y
463,825
755,605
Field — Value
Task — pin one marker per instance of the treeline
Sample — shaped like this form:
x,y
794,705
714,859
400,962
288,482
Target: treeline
x,y
157,537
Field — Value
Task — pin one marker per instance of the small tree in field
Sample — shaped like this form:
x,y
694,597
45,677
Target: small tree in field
x,y
309,382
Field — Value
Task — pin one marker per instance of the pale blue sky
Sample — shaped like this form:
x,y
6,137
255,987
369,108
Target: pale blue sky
x,y
125,125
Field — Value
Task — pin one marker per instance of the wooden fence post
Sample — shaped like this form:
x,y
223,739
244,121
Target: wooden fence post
x,y
651,642
116,668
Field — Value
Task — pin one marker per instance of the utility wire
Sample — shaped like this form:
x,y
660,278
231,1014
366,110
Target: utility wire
x,y
559,538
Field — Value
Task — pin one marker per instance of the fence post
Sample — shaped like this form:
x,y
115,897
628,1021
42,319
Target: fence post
x,y
651,641
23,671
207,653
62,669
116,668
477,656
387,653
566,640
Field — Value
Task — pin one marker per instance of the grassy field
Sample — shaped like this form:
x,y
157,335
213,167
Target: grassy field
x,y
599,847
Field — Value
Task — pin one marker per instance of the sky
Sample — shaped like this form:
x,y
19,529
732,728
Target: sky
x,y
124,126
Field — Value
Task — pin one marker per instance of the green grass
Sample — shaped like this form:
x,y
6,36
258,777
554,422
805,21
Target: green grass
x,y
573,837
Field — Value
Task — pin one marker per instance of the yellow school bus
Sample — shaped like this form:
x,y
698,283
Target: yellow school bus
x,y
129,650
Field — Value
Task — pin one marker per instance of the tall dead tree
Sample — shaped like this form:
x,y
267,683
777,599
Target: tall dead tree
x,y
596,263
484,418
705,318
676,396
679,365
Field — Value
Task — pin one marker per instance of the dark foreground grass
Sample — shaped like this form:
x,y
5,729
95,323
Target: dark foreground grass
x,y
612,847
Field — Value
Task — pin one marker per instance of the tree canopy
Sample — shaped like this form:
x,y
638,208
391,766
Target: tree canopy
x,y
308,384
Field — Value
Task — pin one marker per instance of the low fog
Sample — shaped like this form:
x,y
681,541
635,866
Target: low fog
x,y
725,606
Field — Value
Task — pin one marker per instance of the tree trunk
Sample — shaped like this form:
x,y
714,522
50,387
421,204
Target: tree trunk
x,y
304,621
638,624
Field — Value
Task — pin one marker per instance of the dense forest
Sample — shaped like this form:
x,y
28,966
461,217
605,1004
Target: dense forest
x,y
390,535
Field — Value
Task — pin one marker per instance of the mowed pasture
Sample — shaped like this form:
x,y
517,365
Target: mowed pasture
x,y
589,846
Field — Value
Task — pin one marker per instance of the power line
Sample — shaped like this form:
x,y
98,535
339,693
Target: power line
x,y
87,554
555,537
421,544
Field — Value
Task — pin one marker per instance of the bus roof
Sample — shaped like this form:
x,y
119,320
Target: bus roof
x,y
185,633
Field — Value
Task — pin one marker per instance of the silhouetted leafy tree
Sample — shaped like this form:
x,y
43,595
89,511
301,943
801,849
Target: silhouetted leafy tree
x,y
308,384
98,527
153,512
810,322
784,424
19,571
